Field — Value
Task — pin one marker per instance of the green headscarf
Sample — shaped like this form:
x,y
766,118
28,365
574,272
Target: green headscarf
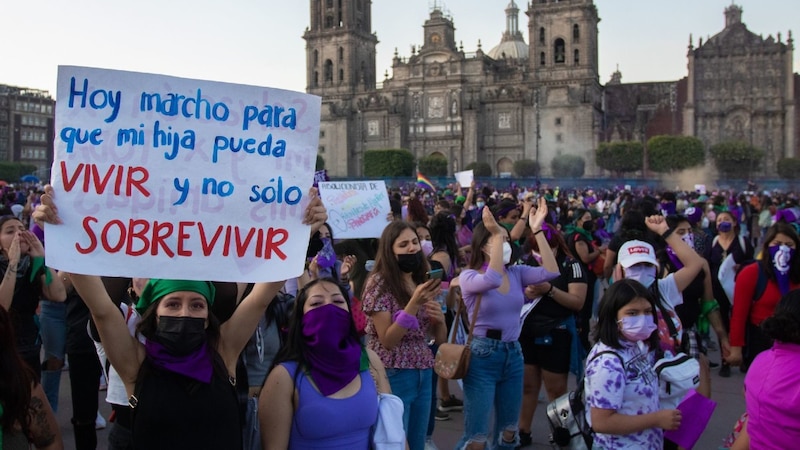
x,y
156,288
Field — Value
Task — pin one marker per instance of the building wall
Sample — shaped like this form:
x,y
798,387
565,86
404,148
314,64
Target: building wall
x,y
27,126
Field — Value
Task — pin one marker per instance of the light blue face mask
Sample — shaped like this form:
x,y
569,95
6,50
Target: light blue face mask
x,y
643,273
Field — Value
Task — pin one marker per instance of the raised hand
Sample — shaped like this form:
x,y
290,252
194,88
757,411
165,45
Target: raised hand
x,y
316,214
46,211
536,219
490,223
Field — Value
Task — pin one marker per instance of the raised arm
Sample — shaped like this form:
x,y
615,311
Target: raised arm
x,y
692,262
10,277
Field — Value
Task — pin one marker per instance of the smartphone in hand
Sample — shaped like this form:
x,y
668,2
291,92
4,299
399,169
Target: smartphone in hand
x,y
436,273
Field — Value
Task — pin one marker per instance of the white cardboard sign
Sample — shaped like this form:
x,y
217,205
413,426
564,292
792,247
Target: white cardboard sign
x,y
356,209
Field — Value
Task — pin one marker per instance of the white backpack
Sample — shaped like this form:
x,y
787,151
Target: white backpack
x,y
677,375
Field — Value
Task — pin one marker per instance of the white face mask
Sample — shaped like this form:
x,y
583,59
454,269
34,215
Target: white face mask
x,y
506,253
643,273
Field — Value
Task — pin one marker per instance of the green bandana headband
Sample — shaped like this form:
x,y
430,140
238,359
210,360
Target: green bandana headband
x,y
156,288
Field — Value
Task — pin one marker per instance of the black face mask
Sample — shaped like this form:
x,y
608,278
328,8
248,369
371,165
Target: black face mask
x,y
588,225
181,335
410,262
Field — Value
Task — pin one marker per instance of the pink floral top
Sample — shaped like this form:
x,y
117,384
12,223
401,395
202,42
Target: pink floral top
x,y
412,352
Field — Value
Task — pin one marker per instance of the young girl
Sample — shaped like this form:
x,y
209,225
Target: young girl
x,y
621,387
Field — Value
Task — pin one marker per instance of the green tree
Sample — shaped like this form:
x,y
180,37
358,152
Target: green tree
x,y
789,168
736,159
388,163
621,156
526,168
673,153
568,166
11,172
433,165
320,163
480,169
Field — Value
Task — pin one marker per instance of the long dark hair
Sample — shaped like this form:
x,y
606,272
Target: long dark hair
x,y
16,380
388,270
295,347
784,324
554,239
766,261
443,235
616,297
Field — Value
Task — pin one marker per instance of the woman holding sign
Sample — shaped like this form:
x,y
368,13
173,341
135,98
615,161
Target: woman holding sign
x,y
181,380
402,315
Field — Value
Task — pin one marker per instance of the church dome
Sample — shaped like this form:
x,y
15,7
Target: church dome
x,y
510,49
513,45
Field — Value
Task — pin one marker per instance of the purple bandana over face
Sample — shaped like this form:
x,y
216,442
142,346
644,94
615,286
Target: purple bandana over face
x,y
333,354
196,365
781,256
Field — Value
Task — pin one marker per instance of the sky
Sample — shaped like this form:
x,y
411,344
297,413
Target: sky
x,y
260,42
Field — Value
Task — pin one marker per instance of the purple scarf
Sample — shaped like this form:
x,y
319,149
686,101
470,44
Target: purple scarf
x,y
674,258
196,365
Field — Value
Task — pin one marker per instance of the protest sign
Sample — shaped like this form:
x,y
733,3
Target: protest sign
x,y
356,209
465,178
158,176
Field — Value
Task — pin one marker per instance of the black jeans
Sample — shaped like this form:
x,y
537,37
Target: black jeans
x,y
84,380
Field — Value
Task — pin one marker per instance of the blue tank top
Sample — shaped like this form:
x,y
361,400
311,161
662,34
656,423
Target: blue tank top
x,y
327,423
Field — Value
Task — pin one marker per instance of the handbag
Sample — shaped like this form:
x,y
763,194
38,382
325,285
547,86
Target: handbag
x,y
452,360
678,373
387,433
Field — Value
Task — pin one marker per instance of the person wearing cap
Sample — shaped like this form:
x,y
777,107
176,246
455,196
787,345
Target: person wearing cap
x,y
637,261
181,380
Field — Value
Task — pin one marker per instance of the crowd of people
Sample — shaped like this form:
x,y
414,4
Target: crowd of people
x,y
599,283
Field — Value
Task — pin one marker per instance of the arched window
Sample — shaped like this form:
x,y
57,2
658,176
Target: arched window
x,y
316,57
542,59
577,57
559,52
341,54
328,21
328,71
576,32
341,75
316,78
541,35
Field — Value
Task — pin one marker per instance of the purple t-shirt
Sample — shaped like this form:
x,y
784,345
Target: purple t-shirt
x,y
500,311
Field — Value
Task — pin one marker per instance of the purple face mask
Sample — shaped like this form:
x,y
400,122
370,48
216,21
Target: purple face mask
x,y
637,328
781,257
332,353
725,227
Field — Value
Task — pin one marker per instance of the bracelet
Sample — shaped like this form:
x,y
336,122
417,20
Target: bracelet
x,y
405,320
540,231
667,234
549,292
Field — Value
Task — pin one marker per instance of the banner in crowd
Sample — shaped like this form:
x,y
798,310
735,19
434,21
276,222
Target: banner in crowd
x,y
158,176
465,178
356,209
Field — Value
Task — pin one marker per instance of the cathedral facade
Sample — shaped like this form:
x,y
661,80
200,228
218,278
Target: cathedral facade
x,y
532,101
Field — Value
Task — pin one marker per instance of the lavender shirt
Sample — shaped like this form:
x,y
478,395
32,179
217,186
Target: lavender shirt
x,y
500,311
